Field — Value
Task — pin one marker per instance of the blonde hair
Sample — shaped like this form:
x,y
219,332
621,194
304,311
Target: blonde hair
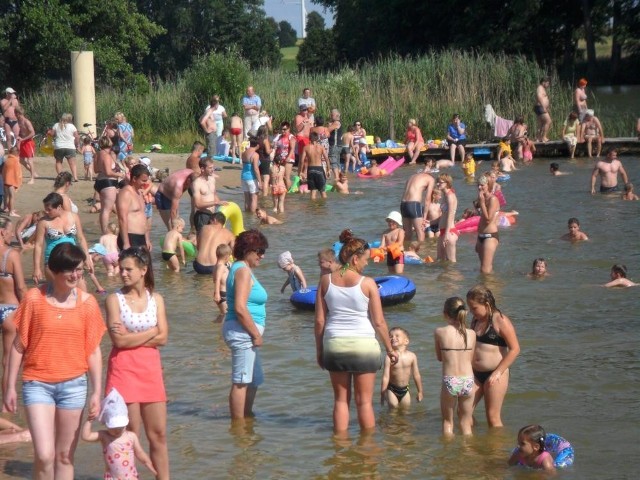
x,y
446,178
66,118
455,308
223,250
113,227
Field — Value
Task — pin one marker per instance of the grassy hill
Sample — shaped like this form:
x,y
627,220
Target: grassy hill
x,y
289,55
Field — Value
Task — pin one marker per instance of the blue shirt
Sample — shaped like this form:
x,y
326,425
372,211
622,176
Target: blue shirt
x,y
453,131
253,101
256,303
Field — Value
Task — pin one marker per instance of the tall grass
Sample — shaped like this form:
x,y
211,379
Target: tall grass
x,y
383,95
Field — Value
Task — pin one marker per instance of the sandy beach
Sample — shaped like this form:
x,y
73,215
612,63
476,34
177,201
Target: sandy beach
x,y
29,197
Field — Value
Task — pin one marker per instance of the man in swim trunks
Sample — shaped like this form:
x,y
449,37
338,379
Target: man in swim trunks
x,y
130,209
9,104
542,110
205,198
170,192
25,143
312,167
303,126
417,191
209,238
608,169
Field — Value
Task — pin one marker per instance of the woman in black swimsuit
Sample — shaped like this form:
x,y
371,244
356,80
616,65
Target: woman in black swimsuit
x,y
108,176
496,349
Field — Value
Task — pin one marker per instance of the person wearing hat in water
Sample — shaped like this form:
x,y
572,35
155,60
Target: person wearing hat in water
x,y
393,241
119,445
9,104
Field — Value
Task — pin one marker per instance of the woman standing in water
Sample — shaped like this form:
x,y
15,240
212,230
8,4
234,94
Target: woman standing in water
x,y
488,238
496,349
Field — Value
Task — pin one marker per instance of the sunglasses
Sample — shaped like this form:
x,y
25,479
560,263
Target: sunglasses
x,y
260,251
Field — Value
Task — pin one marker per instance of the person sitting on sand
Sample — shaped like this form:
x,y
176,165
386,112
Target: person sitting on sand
x,y
619,277
261,215
628,192
26,229
12,433
574,235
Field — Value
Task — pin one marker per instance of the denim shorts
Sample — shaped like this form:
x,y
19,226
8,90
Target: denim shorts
x,y
246,367
67,395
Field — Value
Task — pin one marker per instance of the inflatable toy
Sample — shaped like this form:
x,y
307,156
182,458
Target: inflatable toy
x,y
560,449
337,246
190,250
503,178
393,289
234,217
387,167
471,224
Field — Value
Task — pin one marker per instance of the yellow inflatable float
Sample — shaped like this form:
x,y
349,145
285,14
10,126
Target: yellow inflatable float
x,y
234,217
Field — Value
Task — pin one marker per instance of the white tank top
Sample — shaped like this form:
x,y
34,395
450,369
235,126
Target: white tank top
x,y
138,322
348,314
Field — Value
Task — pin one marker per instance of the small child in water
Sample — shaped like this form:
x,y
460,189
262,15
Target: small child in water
x,y
412,251
220,274
295,277
278,185
574,235
120,446
395,377
469,165
530,451
455,344
628,192
110,243
539,268
327,261
261,215
507,163
528,150
393,241
172,243
619,277
554,169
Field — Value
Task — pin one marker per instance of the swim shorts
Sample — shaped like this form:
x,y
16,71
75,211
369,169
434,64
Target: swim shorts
x,y
27,148
539,110
203,269
615,188
236,131
316,179
162,201
394,261
411,210
61,153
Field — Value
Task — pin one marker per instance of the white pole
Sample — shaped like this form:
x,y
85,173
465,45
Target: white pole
x,y
83,90
304,19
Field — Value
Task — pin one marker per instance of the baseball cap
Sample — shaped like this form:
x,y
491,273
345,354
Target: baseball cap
x,y
304,107
9,90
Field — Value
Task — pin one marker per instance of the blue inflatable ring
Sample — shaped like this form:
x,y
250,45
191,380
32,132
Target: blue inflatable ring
x,y
560,449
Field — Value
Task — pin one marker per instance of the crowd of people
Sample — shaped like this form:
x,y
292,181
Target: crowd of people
x,y
62,367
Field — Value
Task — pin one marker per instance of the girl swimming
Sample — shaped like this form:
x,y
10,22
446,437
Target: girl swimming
x,y
531,451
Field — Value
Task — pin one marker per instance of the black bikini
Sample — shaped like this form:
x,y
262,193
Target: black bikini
x,y
489,337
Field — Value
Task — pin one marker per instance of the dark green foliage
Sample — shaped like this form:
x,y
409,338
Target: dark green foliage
x,y
286,34
318,52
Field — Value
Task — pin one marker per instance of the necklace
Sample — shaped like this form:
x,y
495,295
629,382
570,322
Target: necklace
x,y
60,304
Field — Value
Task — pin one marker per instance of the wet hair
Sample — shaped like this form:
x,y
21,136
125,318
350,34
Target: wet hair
x,y
64,257
537,261
223,250
351,246
535,434
554,167
105,142
446,178
139,170
620,270
611,150
572,221
399,329
313,136
327,254
319,120
481,294
455,308
219,217
415,246
197,145
62,179
249,241
142,259
628,187
53,200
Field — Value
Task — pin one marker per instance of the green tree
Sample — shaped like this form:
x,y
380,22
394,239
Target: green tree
x,y
315,21
38,37
318,52
286,34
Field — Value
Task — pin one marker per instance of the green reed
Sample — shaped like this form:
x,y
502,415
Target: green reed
x,y
382,94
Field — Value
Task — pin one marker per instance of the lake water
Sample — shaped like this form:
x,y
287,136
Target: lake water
x,y
576,375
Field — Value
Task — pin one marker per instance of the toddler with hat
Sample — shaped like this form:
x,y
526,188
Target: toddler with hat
x,y
295,276
118,444
393,242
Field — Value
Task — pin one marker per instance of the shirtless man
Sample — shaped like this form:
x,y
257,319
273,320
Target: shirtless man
x,y
608,170
8,104
209,237
204,194
414,214
542,110
335,137
303,126
312,169
208,124
169,194
130,209
193,162
25,143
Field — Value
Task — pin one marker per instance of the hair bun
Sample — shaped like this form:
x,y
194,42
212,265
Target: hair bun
x,y
345,235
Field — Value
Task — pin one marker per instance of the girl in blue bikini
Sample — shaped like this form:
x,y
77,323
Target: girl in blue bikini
x,y
496,349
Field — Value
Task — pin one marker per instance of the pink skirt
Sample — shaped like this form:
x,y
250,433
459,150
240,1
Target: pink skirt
x,y
137,374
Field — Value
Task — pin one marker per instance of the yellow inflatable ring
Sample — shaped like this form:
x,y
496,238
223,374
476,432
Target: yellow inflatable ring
x,y
234,216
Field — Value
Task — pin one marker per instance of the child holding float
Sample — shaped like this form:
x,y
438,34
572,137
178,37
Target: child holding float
x,y
393,241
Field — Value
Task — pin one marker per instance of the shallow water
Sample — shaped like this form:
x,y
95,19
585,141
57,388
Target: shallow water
x,y
577,373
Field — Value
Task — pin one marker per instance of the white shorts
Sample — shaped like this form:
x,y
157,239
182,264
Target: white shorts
x,y
249,186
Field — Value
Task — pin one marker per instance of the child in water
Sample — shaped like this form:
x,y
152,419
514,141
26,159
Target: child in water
x,y
119,445
628,192
574,235
469,165
530,451
619,277
455,344
278,186
261,215
539,268
554,169
327,261
528,150
110,243
395,378
295,277
220,274
172,243
393,241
